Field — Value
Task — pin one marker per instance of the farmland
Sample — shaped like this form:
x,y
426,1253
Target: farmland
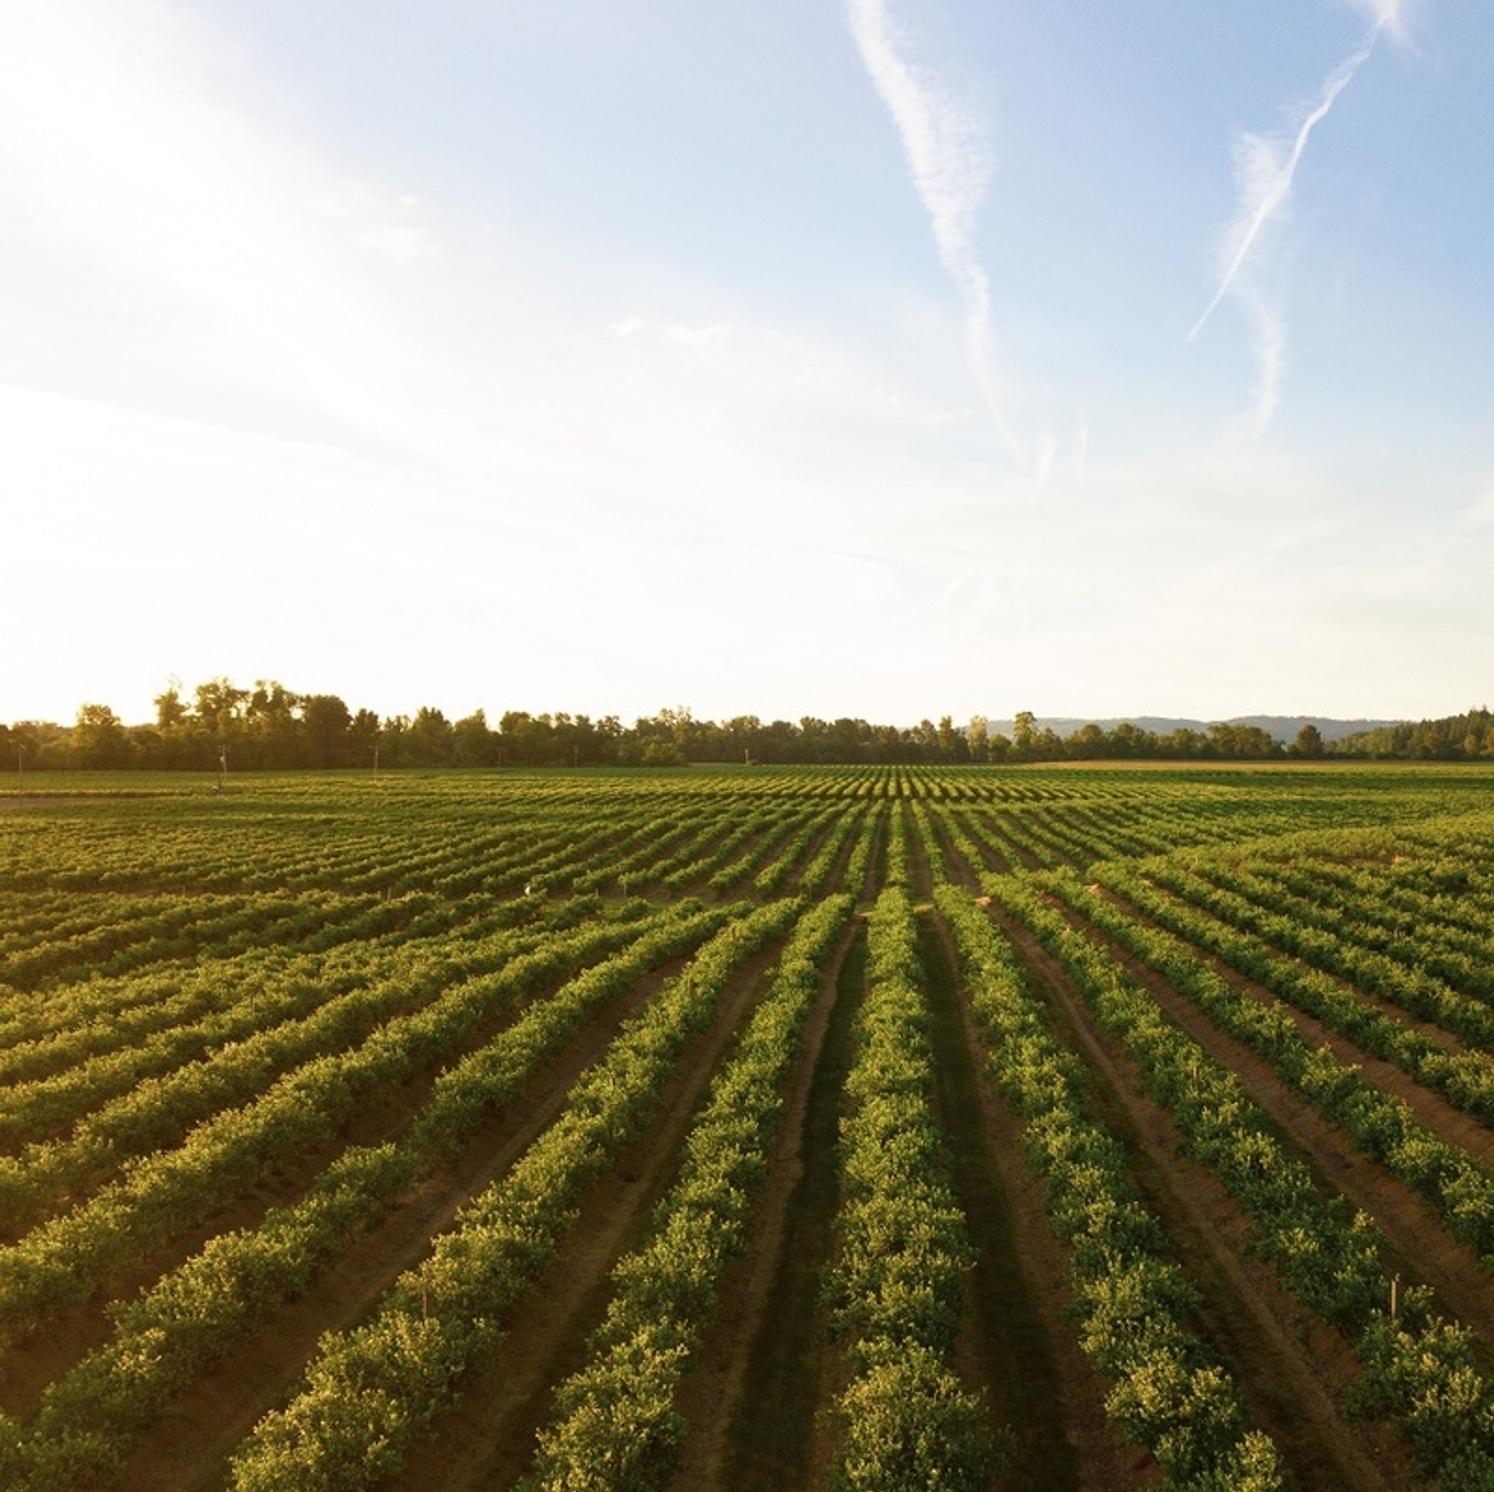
x,y
759,1128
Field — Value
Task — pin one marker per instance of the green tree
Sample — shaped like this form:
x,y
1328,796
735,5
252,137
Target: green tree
x,y
363,738
950,742
99,739
472,743
219,710
326,725
428,741
171,708
978,737
1309,742
1024,728
272,725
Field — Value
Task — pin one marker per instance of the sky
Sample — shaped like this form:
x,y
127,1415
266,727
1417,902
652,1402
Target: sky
x,y
881,358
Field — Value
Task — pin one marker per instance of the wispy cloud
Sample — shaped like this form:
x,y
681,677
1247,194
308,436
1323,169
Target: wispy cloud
x,y
1390,16
1265,167
949,154
679,333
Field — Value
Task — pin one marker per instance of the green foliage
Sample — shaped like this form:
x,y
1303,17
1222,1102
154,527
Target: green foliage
x,y
615,1425
370,1391
197,989
1418,1371
902,1247
1131,1301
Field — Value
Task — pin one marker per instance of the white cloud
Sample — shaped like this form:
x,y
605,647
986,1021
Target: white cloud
x,y
680,333
947,145
1265,168
380,219
1391,16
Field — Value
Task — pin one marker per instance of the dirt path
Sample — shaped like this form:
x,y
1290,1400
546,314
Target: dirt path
x,y
776,1434
715,1385
1018,857
1017,1340
1289,1378
1428,1251
61,1340
188,1447
836,879
992,858
921,872
961,872
488,1440
866,893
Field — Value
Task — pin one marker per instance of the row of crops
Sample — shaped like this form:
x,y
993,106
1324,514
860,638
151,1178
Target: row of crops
x,y
493,1129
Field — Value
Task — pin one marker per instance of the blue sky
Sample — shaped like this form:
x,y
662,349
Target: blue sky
x,y
877,358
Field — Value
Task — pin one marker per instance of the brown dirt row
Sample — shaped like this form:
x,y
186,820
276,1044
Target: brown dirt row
x,y
991,859
1429,1251
1291,1374
487,1441
960,871
1017,856
880,824
778,1431
58,1342
842,860
188,1446
918,859
1019,1337
792,883
712,1391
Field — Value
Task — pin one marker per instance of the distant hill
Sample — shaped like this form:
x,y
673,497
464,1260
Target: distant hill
x,y
1283,728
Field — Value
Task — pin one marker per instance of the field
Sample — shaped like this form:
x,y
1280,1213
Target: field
x,y
882,1128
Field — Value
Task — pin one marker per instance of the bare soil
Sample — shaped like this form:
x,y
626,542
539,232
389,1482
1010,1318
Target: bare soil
x,y
1427,1250
777,1431
1291,1375
487,1441
712,1390
189,1446
1018,1341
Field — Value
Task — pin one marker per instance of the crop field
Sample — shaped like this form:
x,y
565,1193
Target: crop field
x,y
879,1128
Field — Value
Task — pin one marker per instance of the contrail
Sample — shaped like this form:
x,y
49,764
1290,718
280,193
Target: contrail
x,y
951,165
1264,171
1266,182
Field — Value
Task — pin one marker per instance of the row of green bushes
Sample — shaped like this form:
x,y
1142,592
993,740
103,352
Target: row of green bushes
x,y
370,1391
200,1313
158,1193
614,1423
902,1250
1167,1390
720,854
1417,1368
83,1124
1464,1078
1375,913
1400,977
1381,1126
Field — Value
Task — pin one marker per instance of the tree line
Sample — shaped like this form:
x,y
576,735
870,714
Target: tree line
x,y
223,727
1451,738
